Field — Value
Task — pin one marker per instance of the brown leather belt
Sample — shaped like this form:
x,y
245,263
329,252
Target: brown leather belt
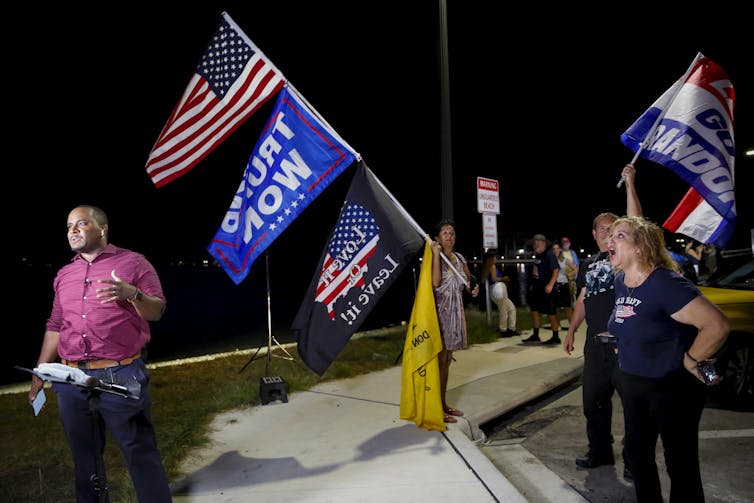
x,y
100,364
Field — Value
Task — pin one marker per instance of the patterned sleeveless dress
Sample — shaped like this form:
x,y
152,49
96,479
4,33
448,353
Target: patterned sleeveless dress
x,y
449,301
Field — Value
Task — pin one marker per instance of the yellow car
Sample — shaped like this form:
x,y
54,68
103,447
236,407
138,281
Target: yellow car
x,y
733,292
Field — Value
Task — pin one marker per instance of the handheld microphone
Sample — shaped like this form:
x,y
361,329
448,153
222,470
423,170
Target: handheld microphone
x,y
57,372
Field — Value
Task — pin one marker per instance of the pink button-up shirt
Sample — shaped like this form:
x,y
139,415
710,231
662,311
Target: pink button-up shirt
x,y
90,330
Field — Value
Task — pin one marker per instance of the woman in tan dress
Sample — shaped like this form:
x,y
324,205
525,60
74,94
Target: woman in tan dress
x,y
448,288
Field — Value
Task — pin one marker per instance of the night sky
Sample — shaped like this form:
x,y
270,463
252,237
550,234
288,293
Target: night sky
x,y
539,100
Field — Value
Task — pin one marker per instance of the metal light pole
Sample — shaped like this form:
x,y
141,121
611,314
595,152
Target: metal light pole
x,y
446,161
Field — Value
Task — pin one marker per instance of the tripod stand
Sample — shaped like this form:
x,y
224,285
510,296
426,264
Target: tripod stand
x,y
99,477
270,387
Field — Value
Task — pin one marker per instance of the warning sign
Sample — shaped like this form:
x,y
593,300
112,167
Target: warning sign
x,y
488,195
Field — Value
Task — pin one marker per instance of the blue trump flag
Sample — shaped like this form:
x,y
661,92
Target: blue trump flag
x,y
370,245
297,156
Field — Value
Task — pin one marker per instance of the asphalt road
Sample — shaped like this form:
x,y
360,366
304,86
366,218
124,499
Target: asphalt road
x,y
535,448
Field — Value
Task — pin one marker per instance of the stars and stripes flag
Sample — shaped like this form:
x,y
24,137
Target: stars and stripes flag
x,y
371,243
232,80
296,157
689,130
353,242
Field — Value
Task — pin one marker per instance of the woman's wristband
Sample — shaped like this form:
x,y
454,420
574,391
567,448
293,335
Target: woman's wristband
x,y
695,366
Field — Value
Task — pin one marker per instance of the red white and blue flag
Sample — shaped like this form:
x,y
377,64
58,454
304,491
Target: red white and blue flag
x,y
689,130
296,157
233,79
373,240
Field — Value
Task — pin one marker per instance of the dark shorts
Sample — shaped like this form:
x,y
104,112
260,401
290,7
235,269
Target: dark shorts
x,y
540,301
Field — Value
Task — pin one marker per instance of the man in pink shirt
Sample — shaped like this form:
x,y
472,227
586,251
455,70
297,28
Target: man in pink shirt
x,y
104,300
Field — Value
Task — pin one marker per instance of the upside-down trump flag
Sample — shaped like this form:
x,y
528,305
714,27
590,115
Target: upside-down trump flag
x,y
295,159
232,80
420,377
689,130
366,252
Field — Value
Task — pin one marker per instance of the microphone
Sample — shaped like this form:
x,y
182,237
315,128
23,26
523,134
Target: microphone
x,y
57,372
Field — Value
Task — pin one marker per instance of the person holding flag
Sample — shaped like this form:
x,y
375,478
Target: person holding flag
x,y
450,276
594,303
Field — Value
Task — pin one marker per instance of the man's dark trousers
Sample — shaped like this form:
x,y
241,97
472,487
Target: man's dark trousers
x,y
598,386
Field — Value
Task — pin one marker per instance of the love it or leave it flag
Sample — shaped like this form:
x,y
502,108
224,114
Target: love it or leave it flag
x,y
421,401
233,79
366,252
295,159
689,130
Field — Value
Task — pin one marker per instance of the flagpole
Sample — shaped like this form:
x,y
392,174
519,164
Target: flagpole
x,y
416,226
314,111
676,88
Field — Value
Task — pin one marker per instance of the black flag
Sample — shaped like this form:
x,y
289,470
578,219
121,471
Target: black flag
x,y
366,252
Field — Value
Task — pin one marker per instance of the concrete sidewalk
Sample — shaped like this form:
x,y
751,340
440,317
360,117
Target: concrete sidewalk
x,y
343,441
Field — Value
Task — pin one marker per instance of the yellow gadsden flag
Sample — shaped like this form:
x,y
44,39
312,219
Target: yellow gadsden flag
x,y
420,386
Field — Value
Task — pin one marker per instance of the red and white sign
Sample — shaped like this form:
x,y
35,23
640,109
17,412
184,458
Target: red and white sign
x,y
488,195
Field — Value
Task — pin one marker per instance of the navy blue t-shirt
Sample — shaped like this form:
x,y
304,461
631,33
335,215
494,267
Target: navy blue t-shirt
x,y
543,266
650,342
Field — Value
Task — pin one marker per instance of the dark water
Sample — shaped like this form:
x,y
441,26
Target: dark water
x,y
206,311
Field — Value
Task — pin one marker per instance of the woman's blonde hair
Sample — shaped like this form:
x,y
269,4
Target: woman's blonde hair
x,y
650,240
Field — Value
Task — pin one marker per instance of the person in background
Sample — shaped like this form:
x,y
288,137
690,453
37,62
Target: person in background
x,y
563,298
104,300
709,262
685,266
498,291
666,330
565,244
594,303
542,290
695,253
448,282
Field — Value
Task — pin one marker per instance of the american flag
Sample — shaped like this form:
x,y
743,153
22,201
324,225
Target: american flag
x,y
353,242
233,79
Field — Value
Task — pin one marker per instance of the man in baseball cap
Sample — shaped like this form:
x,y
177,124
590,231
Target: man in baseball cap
x,y
544,275
574,269
538,237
